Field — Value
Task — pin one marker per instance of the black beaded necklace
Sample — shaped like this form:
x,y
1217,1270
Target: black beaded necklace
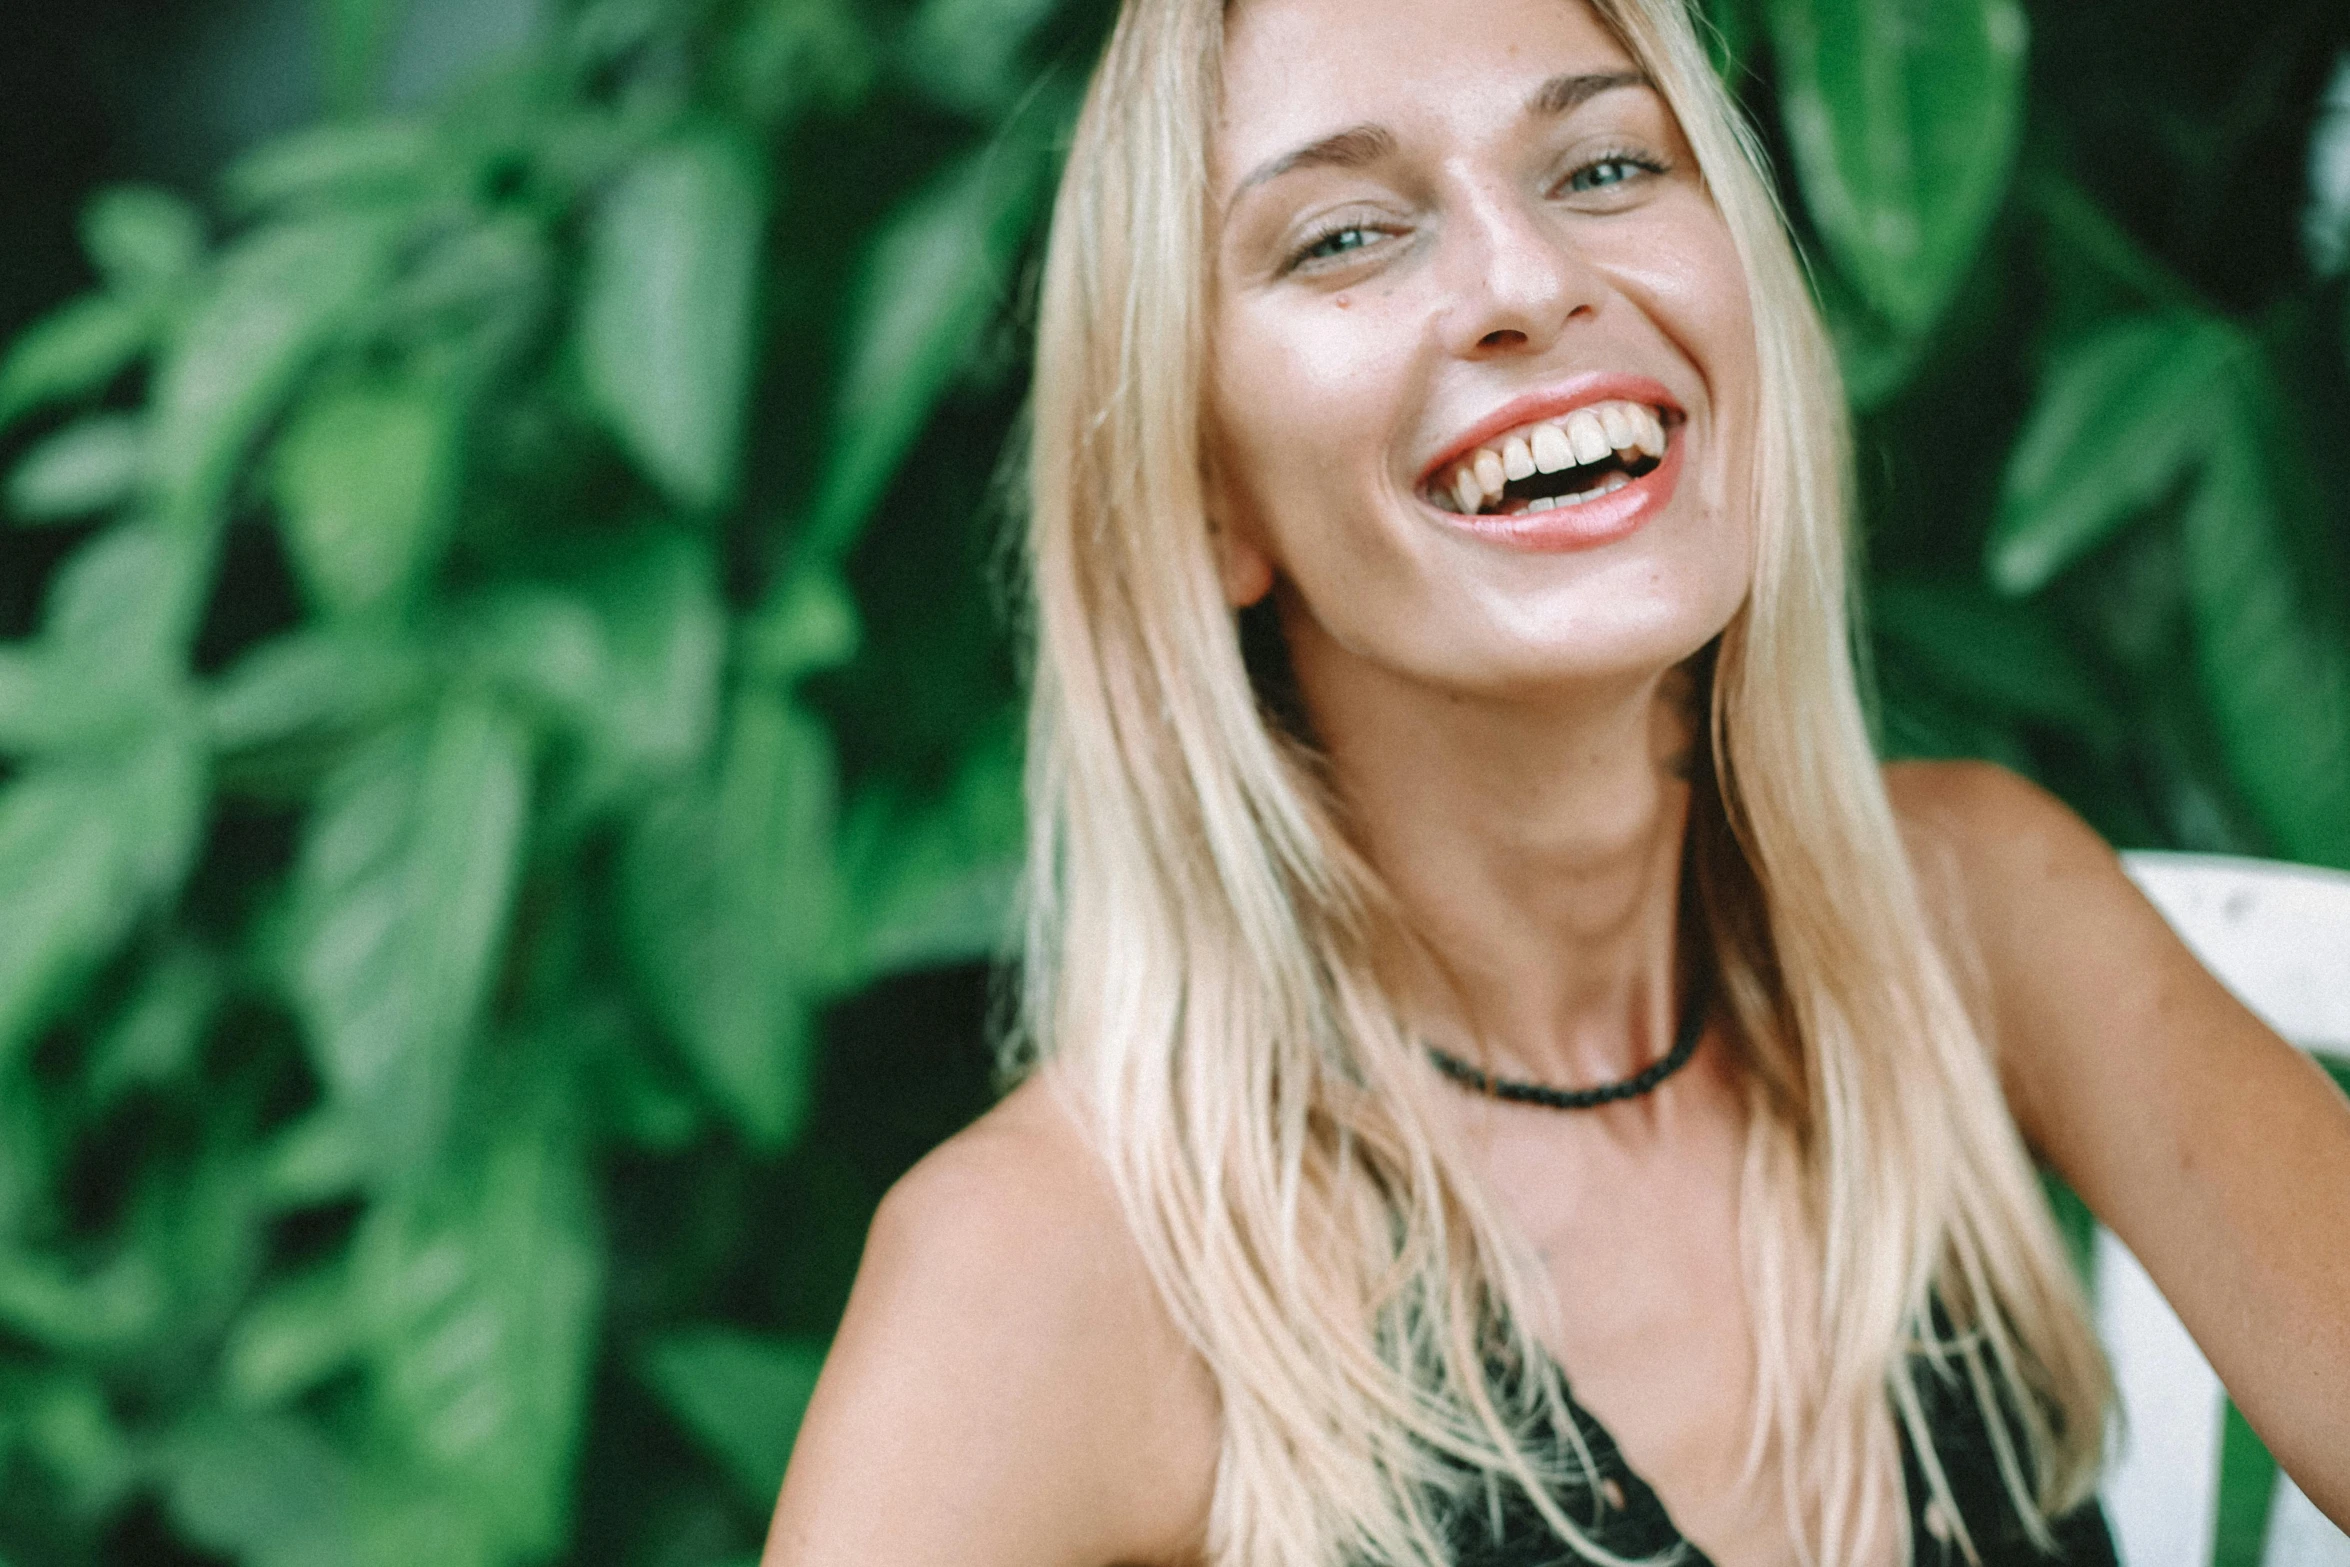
x,y
1694,1008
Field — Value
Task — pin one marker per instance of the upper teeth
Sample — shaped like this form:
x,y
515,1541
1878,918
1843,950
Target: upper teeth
x,y
1587,435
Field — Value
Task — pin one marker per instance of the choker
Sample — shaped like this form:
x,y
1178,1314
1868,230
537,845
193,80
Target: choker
x,y
1694,1008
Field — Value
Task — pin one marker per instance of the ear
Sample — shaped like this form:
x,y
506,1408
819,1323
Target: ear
x,y
1242,562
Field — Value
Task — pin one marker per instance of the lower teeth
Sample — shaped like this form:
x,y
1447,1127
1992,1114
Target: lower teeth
x,y
1607,486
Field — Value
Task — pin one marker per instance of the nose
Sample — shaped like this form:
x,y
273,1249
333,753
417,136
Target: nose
x,y
1514,278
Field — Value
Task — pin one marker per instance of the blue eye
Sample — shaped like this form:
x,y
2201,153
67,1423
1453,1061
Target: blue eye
x,y
1336,243
1617,168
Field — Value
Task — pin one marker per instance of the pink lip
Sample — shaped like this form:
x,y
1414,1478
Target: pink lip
x,y
1586,524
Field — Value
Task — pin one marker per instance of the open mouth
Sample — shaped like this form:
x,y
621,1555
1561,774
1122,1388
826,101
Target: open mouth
x,y
1561,461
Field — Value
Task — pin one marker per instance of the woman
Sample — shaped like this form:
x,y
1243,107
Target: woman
x,y
1442,695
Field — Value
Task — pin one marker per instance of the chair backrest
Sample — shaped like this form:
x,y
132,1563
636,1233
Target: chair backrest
x,y
2279,937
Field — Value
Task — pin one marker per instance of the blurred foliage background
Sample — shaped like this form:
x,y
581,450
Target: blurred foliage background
x,y
508,746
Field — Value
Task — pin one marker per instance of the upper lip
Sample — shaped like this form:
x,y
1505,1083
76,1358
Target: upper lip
x,y
1552,402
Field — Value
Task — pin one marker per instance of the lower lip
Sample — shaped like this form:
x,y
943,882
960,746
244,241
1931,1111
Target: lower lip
x,y
1584,525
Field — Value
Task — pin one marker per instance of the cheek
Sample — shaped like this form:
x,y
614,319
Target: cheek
x,y
1691,285
1303,401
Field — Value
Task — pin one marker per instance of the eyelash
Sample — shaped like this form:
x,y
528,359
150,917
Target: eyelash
x,y
1623,157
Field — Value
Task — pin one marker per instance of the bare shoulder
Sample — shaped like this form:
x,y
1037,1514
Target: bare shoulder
x,y
1018,1185
1996,854
2105,1024
1005,1385
1979,820
2031,905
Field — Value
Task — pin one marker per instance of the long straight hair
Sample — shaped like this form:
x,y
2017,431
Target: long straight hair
x,y
1202,959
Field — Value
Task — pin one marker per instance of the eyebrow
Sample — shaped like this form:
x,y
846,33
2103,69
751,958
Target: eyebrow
x,y
1358,146
1565,94
1353,148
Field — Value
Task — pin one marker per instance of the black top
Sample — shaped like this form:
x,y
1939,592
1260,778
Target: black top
x,y
1627,1518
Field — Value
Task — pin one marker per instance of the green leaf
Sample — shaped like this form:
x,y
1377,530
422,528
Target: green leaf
x,y
542,645
2118,421
315,683
86,849
1732,33
1914,719
729,904
935,881
323,1157
490,278
808,623
2274,668
364,478
129,600
153,1040
53,705
2247,1485
669,307
2092,264
144,239
273,1490
636,1094
89,466
665,641
478,1299
624,657
83,1312
268,1490
75,349
69,1426
817,53
299,1333
278,298
106,669
349,162
198,1220
740,1394
625,663
2009,657
966,53
935,276
1903,117
1874,357
399,918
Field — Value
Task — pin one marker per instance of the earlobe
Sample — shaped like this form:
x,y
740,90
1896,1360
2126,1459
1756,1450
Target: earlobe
x,y
1246,569
1243,563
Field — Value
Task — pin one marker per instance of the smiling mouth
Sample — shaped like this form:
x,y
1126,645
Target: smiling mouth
x,y
1575,457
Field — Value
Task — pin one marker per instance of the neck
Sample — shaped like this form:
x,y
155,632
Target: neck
x,y
1533,847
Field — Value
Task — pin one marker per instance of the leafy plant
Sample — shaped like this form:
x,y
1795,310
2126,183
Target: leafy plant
x,y
516,772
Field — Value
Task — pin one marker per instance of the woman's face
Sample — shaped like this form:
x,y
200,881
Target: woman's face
x,y
1467,284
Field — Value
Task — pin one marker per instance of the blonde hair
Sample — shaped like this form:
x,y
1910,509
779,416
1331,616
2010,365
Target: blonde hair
x,y
1201,955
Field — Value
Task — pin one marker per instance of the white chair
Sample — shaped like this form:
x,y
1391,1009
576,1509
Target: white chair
x,y
2279,937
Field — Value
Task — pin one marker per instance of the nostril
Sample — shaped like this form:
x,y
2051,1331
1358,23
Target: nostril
x,y
1507,337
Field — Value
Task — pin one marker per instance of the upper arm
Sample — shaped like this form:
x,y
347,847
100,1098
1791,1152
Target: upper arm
x,y
2216,1151
1004,1387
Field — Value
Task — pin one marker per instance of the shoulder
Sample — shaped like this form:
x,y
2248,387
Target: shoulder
x,y
1012,1227
1995,855
1005,1384
2032,908
2106,1026
1977,817
1017,1185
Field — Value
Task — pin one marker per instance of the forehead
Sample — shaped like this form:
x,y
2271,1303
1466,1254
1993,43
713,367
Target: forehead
x,y
1295,70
